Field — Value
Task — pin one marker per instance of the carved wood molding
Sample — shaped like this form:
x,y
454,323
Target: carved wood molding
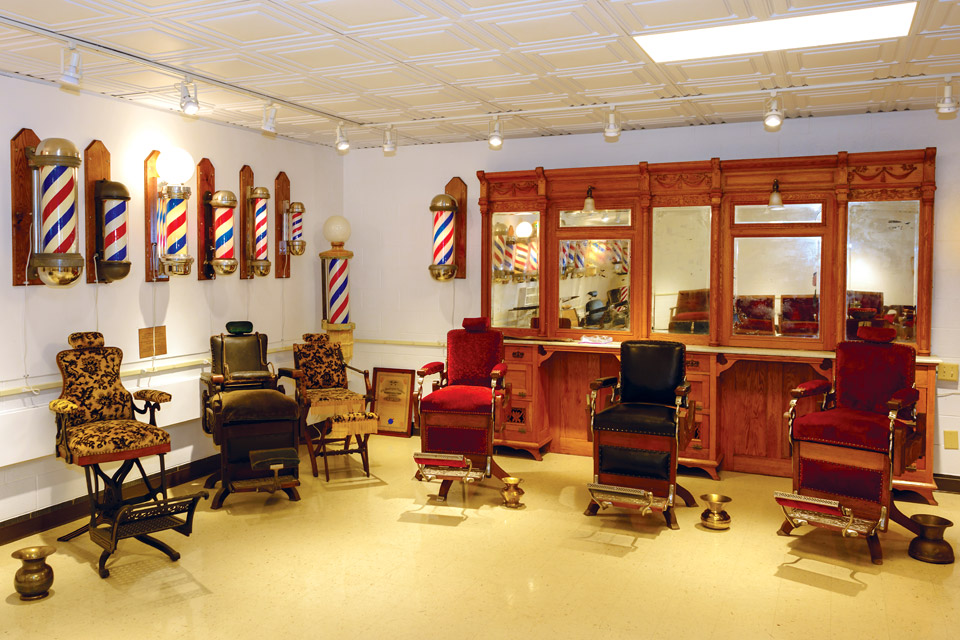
x,y
896,193
513,189
517,205
869,174
674,181
681,200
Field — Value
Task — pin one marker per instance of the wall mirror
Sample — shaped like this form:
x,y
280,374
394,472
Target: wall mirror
x,y
776,286
595,218
595,284
789,213
515,264
681,270
882,247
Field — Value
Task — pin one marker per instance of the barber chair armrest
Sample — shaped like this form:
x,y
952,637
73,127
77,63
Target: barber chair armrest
x,y
62,406
287,372
497,375
214,382
811,388
683,389
903,399
430,369
603,383
152,395
366,383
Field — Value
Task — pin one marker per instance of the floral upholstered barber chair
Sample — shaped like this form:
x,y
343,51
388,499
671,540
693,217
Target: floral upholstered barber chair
x,y
846,454
637,439
256,425
96,424
458,419
330,413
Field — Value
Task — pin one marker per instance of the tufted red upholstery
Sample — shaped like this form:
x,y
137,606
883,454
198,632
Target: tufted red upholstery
x,y
459,399
868,374
472,354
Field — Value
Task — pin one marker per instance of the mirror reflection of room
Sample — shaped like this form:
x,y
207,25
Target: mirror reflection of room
x,y
882,246
514,283
595,284
681,270
776,286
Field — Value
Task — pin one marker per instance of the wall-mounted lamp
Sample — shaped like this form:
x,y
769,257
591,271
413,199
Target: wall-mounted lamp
x,y
55,257
589,206
775,203
189,104
70,71
110,203
174,168
495,134
256,245
221,206
293,219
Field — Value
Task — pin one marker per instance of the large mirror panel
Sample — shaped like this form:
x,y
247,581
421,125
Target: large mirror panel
x,y
515,264
776,286
681,270
595,284
882,247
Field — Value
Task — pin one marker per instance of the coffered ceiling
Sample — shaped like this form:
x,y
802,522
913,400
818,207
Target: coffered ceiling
x,y
441,68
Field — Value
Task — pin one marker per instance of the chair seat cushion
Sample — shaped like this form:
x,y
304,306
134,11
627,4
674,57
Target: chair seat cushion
x,y
845,427
353,424
253,405
805,327
458,398
637,417
108,440
691,315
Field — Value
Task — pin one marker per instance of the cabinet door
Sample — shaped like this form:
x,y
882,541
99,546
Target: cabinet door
x,y
519,423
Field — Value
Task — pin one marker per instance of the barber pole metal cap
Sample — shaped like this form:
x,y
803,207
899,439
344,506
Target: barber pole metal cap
x,y
224,198
55,151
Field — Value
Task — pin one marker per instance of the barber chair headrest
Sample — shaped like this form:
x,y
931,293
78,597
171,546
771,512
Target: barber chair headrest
x,y
321,338
877,334
85,339
476,325
239,327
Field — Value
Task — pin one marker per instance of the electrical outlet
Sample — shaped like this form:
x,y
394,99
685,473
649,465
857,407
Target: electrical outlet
x,y
950,440
948,371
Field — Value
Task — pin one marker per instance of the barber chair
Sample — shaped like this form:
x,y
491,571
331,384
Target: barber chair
x,y
96,424
458,419
864,309
866,431
753,315
799,315
256,425
692,313
637,439
330,414
594,311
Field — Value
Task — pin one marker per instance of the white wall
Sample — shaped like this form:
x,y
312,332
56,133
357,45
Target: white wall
x,y
386,199
35,321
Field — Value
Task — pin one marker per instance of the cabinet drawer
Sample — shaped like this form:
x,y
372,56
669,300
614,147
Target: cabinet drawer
x,y
697,362
519,422
518,353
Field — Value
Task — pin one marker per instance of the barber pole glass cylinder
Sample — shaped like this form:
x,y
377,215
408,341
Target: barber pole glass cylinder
x,y
223,233
339,291
111,221
55,258
172,231
259,263
534,257
444,209
223,205
114,230
296,245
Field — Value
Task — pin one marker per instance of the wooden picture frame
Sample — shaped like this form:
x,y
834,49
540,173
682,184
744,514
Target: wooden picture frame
x,y
393,400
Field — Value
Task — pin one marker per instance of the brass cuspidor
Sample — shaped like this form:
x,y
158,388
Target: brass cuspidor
x,y
714,517
34,579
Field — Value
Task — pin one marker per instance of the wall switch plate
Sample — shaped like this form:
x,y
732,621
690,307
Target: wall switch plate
x,y
950,440
948,371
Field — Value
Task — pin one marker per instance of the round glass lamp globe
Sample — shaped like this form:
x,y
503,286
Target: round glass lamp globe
x,y
336,229
175,166
524,229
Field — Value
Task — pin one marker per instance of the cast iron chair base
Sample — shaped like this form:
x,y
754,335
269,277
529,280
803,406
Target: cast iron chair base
x,y
317,447
604,495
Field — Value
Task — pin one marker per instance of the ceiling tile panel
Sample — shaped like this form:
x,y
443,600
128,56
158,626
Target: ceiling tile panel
x,y
353,15
55,14
250,27
669,16
428,44
727,68
326,56
150,41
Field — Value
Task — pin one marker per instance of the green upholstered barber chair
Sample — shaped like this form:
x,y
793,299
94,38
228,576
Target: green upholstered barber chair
x,y
96,424
256,425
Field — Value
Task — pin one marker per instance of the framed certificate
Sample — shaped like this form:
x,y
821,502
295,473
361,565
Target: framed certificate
x,y
393,398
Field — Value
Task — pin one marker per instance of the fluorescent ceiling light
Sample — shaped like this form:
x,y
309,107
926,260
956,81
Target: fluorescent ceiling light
x,y
875,23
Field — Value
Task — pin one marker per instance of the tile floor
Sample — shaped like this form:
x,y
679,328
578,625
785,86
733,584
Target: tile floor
x,y
376,558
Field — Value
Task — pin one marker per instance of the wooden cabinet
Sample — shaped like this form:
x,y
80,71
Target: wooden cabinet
x,y
703,451
522,426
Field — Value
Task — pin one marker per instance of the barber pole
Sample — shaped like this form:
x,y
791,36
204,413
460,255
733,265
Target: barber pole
x,y
442,237
260,228
115,230
534,257
520,257
58,200
223,232
499,245
175,224
339,288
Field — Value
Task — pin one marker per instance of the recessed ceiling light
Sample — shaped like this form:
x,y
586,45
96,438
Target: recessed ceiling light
x,y
858,25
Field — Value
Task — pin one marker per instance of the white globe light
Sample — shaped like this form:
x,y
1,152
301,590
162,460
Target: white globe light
x,y
336,229
524,229
175,166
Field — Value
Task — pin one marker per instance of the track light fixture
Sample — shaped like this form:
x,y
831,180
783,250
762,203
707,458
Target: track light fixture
x,y
775,203
389,141
70,72
947,103
611,130
188,103
269,118
343,145
773,116
495,136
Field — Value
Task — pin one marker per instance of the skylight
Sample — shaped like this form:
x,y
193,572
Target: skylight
x,y
858,25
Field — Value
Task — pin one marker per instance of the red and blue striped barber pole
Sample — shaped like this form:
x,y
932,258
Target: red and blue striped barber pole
x,y
260,228
296,225
442,237
499,246
58,202
581,256
339,291
223,233
520,257
115,230
534,256
175,225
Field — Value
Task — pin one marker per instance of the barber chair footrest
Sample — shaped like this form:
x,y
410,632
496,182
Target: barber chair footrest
x,y
447,466
830,514
608,495
274,458
143,519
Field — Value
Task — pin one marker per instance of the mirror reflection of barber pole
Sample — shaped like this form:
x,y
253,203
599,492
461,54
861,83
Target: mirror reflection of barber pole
x,y
339,291
581,256
442,237
534,259
260,228
58,200
621,256
520,257
223,231
174,227
115,229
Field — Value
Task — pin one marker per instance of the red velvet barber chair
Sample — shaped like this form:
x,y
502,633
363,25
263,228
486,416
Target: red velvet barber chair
x,y
637,438
692,313
458,419
799,315
846,454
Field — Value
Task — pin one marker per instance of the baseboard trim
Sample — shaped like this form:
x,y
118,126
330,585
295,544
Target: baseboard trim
x,y
56,515
947,483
